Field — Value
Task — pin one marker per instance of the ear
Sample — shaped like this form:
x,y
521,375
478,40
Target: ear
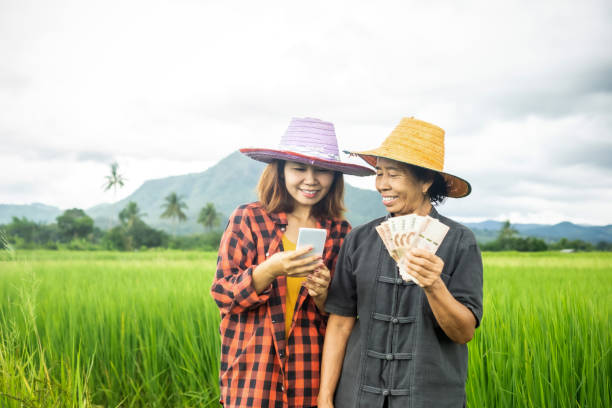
x,y
425,186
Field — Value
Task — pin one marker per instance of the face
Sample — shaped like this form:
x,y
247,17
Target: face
x,y
402,193
307,184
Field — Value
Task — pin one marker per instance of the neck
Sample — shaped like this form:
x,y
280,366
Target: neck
x,y
301,213
424,209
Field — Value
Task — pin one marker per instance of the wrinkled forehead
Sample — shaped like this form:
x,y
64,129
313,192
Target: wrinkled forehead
x,y
389,164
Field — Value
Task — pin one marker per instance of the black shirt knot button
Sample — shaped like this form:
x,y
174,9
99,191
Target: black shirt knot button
x,y
385,392
395,320
389,357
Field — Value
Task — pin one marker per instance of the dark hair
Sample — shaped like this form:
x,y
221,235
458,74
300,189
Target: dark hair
x,y
274,197
438,191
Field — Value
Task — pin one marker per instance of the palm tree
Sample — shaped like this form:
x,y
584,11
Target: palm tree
x,y
113,181
130,214
173,208
209,217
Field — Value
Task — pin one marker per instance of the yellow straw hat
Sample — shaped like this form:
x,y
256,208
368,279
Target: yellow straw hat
x,y
420,144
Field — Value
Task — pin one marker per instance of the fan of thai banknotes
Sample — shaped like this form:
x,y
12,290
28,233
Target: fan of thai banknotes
x,y
402,233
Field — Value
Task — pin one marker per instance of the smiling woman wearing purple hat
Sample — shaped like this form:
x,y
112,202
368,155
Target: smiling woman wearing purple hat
x,y
270,294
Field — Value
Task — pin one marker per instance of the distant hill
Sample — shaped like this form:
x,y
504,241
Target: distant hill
x,y
34,212
487,231
232,182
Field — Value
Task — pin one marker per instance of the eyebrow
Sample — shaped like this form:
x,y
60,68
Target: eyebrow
x,y
388,168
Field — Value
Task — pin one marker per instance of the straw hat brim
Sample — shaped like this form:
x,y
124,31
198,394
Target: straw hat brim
x,y
268,155
457,187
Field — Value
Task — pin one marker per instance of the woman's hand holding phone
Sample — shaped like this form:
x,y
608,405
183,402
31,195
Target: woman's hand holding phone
x,y
294,263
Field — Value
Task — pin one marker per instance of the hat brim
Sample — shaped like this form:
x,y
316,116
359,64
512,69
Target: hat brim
x,y
457,187
268,155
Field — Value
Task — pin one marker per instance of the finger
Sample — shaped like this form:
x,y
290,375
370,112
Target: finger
x,y
416,277
311,288
322,275
317,281
422,270
301,251
302,270
423,265
314,259
323,271
418,260
315,290
423,254
420,252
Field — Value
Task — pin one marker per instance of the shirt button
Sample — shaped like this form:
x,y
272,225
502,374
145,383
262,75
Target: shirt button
x,y
399,281
283,229
267,254
283,388
395,320
389,356
385,392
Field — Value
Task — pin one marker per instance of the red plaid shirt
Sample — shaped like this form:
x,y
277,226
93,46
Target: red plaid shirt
x,y
259,367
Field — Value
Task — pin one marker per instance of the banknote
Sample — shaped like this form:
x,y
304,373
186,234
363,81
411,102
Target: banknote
x,y
402,233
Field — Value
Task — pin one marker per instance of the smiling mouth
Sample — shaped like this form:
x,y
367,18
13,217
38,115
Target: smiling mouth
x,y
309,193
388,199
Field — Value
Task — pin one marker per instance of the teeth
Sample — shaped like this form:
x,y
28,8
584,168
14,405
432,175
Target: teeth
x,y
388,198
310,191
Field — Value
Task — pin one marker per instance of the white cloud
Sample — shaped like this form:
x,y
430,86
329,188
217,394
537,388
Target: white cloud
x,y
521,88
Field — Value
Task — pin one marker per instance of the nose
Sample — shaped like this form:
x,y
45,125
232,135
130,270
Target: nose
x,y
382,183
309,176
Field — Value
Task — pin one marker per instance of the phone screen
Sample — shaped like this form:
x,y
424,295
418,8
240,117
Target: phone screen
x,y
312,236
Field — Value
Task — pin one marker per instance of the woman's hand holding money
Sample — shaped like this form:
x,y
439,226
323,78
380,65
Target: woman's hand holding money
x,y
457,321
424,267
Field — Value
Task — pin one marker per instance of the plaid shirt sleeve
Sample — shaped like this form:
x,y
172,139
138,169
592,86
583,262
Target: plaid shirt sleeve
x,y
233,286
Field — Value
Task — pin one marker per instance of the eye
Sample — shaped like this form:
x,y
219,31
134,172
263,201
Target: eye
x,y
322,171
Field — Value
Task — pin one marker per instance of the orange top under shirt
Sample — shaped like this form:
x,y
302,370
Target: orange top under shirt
x,y
293,290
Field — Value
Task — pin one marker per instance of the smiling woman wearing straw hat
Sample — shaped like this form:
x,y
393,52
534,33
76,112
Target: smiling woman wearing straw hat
x,y
408,346
270,294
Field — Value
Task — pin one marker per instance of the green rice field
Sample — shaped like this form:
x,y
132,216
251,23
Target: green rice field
x,y
88,329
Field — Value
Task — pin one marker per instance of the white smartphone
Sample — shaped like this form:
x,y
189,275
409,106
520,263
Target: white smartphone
x,y
312,236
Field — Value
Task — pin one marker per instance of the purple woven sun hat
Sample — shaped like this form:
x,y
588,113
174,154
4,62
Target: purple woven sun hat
x,y
309,141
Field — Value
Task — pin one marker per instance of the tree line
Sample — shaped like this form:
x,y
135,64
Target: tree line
x,y
508,239
75,230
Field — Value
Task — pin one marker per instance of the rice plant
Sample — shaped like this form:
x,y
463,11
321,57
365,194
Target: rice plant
x,y
545,339
126,330
88,329
7,252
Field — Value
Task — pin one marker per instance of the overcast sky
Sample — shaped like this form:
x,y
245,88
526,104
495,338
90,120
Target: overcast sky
x,y
522,88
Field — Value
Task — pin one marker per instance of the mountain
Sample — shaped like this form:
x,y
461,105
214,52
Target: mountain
x,y
488,230
227,184
34,212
